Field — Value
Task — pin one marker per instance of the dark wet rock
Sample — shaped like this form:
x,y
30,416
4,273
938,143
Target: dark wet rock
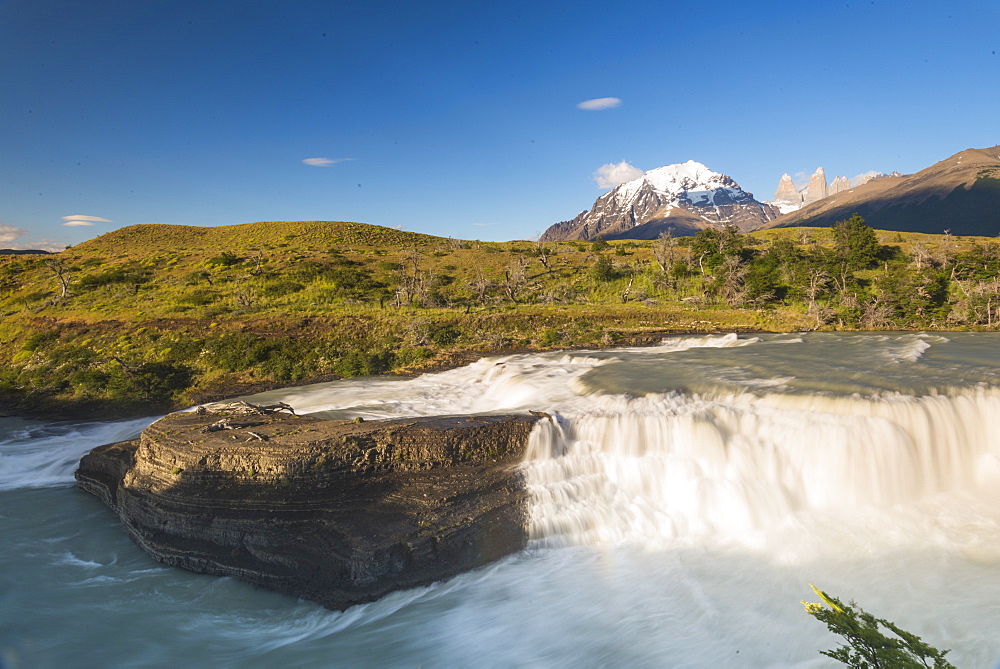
x,y
337,512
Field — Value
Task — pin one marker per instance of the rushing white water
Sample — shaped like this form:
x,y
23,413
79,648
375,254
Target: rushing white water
x,y
682,498
736,469
35,454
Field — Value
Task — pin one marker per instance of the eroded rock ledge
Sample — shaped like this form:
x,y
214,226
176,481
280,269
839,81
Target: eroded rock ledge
x,y
335,512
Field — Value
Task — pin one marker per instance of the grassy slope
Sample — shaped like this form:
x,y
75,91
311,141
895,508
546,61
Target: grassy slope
x,y
157,315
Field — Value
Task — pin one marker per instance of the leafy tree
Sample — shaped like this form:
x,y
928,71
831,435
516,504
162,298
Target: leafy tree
x,y
712,246
604,269
855,243
916,296
868,646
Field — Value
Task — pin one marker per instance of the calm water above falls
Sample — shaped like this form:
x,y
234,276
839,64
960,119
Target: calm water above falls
x,y
683,501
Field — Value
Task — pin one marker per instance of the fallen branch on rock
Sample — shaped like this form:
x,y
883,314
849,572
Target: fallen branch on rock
x,y
246,408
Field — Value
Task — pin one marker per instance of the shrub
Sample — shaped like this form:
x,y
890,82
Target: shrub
x,y
363,363
867,645
39,339
227,259
155,382
549,337
131,274
386,266
198,298
445,335
604,269
280,288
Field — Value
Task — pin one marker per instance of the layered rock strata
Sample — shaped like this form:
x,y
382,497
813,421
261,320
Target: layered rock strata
x,y
331,511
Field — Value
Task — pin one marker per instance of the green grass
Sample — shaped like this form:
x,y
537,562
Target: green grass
x,y
161,315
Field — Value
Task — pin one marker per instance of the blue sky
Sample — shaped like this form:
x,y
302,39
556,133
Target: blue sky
x,y
460,118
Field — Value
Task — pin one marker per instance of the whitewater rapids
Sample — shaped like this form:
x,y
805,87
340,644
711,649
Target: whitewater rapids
x,y
684,496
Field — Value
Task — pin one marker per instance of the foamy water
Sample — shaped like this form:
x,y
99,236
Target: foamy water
x,y
683,498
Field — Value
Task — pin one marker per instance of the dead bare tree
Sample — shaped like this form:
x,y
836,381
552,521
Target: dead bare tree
x,y
58,267
628,290
877,314
734,282
480,286
945,249
663,250
258,264
979,303
920,258
817,282
542,255
516,276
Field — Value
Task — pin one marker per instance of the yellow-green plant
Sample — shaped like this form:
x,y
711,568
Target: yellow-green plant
x,y
868,647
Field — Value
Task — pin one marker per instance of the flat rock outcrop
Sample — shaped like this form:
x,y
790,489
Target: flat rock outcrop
x,y
331,511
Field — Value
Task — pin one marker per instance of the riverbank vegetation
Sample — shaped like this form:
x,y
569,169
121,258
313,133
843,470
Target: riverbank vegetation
x,y
868,646
156,316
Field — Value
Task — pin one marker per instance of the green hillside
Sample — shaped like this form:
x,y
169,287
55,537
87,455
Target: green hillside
x,y
157,316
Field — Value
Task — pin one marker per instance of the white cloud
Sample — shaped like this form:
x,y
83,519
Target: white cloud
x,y
45,245
323,162
615,174
597,104
9,233
75,223
858,180
81,217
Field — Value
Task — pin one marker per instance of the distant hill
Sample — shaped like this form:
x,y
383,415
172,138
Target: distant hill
x,y
140,239
684,198
21,252
960,194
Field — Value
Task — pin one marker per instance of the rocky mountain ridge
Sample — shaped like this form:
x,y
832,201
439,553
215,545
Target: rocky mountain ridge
x,y
685,197
960,193
788,197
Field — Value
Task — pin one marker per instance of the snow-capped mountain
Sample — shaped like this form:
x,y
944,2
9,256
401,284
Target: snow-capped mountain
x,y
686,197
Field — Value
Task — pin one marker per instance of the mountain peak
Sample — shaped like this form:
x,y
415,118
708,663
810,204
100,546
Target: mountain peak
x,y
686,197
958,193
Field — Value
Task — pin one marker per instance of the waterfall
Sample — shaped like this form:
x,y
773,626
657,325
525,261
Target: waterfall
x,y
678,468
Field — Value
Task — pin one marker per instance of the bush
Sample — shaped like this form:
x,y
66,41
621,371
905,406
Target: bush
x,y
386,266
363,363
445,335
549,337
869,646
281,288
198,298
155,382
127,274
39,339
227,259
604,270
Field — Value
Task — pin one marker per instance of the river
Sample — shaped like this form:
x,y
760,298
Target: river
x,y
682,503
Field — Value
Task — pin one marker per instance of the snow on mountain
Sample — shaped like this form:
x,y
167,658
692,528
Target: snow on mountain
x,y
686,197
